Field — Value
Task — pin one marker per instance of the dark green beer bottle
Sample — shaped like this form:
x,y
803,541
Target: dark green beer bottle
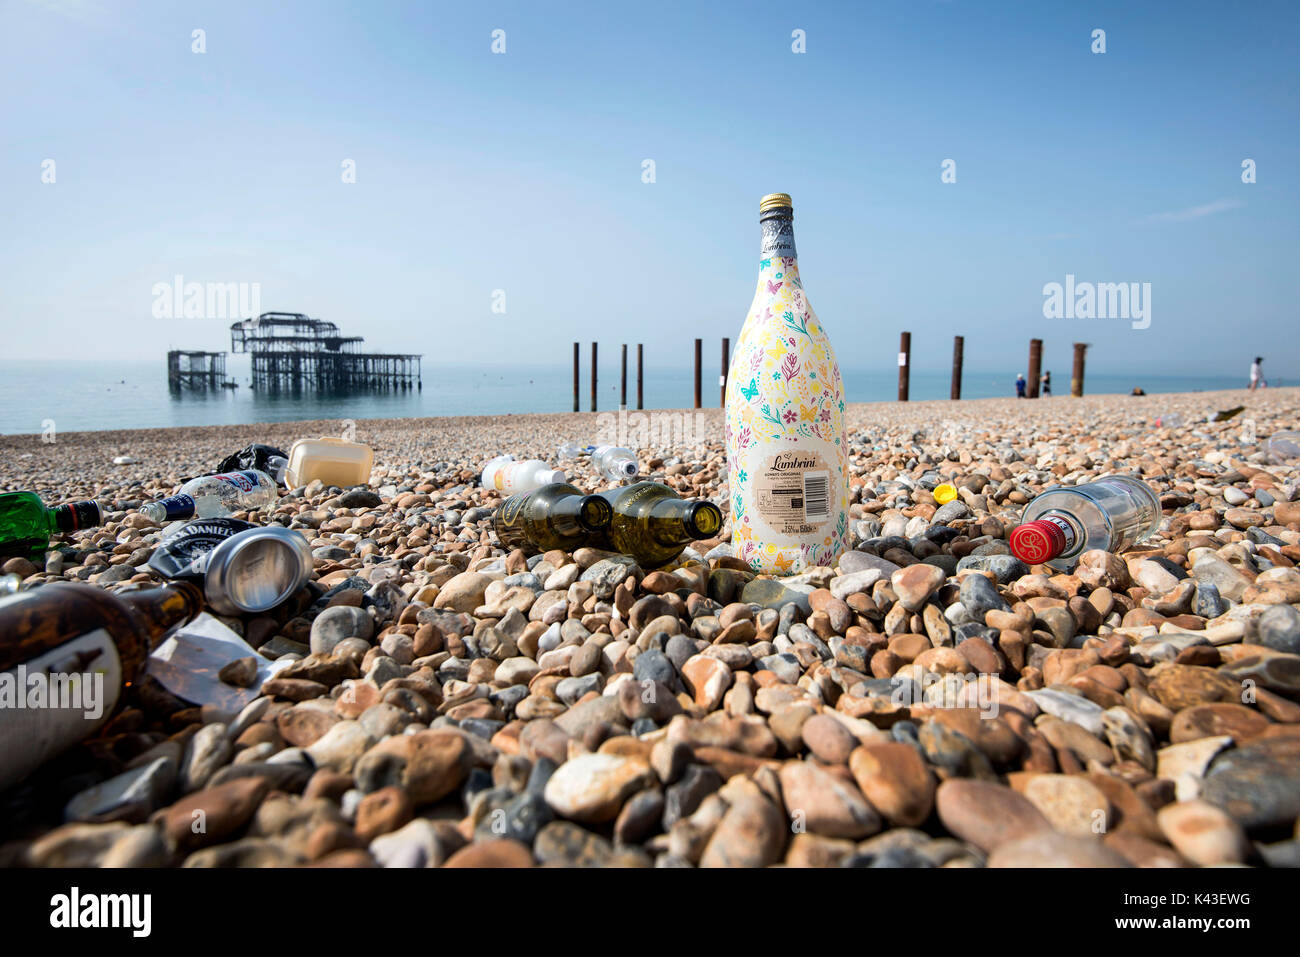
x,y
553,516
653,524
26,525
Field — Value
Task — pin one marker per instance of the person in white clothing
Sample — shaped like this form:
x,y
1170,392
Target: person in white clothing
x,y
1256,378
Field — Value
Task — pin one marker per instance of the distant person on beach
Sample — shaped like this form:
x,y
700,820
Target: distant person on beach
x,y
1137,390
1020,386
1046,383
1256,374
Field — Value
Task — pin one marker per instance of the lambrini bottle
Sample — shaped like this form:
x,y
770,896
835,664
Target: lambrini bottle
x,y
787,453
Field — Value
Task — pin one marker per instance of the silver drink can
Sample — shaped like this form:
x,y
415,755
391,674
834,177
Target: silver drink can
x,y
256,570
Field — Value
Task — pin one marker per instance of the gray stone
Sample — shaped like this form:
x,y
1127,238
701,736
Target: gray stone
x,y
1279,628
978,596
334,624
130,797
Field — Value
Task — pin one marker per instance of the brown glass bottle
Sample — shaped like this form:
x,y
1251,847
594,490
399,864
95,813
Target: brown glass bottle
x,y
66,652
653,524
554,516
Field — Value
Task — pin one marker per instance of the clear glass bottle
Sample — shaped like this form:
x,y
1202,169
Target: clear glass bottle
x,y
26,525
215,496
614,463
787,455
1062,523
505,474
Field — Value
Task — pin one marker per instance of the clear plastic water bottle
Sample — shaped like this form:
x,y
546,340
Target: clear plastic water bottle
x,y
571,450
215,496
1283,447
615,463
1112,513
505,474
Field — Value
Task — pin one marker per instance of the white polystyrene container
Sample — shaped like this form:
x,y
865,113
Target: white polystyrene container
x,y
333,461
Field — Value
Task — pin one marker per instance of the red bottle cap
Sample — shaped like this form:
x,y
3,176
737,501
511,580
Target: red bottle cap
x,y
1037,542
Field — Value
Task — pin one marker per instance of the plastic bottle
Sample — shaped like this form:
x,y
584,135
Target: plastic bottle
x,y
571,450
215,496
505,474
1111,514
1283,447
615,463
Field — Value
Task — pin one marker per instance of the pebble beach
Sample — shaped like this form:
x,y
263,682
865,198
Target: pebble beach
x,y
929,701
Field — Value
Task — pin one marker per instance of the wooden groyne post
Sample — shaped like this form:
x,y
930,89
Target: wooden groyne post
x,y
958,342
904,364
1076,375
1035,367
638,375
593,377
699,354
722,378
622,401
575,377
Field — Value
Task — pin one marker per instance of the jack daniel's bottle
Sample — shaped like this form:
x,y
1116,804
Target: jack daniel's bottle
x,y
787,457
553,516
66,652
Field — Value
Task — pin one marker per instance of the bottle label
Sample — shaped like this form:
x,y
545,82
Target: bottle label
x,y
178,506
1066,529
792,493
244,481
778,237
508,513
51,702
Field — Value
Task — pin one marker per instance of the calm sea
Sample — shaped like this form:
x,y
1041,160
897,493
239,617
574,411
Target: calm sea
x,y
89,395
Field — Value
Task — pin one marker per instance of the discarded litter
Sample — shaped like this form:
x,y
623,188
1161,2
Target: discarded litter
x,y
614,463
264,458
1283,447
215,496
553,516
333,461
505,474
571,450
188,664
1111,513
945,493
241,567
1227,414
652,524
1168,420
26,524
71,649
125,460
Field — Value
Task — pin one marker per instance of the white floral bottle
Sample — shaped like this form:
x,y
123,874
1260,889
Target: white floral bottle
x,y
787,457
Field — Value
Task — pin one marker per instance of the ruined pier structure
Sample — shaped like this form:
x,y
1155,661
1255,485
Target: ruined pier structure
x,y
292,352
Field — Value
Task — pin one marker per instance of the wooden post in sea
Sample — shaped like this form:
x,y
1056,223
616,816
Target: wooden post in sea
x,y
1076,376
957,344
904,364
722,379
699,353
593,377
622,402
638,375
1035,367
575,377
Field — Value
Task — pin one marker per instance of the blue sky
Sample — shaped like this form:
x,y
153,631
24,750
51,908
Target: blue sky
x,y
522,172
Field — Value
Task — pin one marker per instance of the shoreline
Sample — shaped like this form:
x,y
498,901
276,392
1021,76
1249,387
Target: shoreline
x,y
11,439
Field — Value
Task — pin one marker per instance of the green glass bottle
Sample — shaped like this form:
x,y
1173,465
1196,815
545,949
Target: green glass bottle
x,y
553,516
26,525
653,524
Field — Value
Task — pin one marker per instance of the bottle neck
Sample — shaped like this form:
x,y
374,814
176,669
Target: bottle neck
x,y
159,611
675,521
579,513
778,262
77,515
1049,536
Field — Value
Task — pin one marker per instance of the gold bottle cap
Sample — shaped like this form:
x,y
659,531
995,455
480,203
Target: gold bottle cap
x,y
775,201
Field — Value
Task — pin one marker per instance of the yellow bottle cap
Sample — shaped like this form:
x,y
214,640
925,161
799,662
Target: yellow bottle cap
x,y
945,493
775,201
